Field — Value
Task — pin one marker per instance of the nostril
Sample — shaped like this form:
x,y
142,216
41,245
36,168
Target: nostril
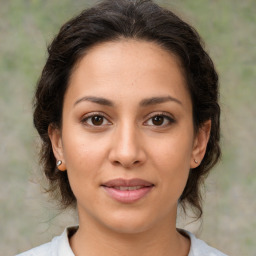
x,y
116,163
126,165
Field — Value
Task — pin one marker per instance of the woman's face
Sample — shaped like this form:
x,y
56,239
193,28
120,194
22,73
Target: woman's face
x,y
127,136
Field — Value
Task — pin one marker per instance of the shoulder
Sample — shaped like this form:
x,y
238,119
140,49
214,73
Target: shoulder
x,y
200,248
58,246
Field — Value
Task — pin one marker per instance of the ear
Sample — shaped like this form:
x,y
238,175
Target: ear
x,y
56,140
200,144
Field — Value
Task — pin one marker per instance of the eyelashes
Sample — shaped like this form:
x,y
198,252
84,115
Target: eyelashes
x,y
96,119
160,120
100,120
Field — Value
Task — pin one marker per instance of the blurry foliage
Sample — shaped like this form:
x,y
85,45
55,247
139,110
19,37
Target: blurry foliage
x,y
228,28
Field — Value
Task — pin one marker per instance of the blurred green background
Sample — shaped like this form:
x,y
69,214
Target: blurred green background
x,y
228,28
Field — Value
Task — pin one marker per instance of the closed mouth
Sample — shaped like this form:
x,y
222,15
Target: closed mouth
x,y
128,188
127,191
124,184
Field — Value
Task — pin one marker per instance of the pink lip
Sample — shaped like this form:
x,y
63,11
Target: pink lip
x,y
127,183
112,188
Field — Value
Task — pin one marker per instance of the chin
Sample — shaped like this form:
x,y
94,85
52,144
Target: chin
x,y
129,228
129,223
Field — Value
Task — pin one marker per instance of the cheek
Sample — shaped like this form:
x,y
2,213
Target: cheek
x,y
83,154
172,160
79,147
174,152
83,159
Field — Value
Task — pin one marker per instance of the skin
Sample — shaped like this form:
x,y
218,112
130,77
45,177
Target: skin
x,y
128,143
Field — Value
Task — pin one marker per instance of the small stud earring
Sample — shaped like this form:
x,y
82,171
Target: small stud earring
x,y
195,161
60,166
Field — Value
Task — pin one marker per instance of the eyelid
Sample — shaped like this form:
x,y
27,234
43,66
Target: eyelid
x,y
167,115
92,114
160,113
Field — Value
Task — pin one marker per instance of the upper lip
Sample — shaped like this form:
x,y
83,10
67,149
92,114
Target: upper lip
x,y
127,183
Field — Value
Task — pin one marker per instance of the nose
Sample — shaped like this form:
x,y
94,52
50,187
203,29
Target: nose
x,y
126,148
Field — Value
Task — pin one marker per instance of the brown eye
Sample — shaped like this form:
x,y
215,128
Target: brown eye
x,y
158,120
97,120
161,120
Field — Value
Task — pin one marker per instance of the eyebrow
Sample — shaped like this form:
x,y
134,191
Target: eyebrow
x,y
158,100
143,103
98,100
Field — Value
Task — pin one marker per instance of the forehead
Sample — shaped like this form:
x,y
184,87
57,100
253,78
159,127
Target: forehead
x,y
107,56
127,68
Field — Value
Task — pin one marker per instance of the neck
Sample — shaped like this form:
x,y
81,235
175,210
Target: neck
x,y
92,239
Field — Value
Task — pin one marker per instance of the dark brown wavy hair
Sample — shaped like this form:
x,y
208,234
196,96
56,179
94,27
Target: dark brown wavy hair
x,y
113,20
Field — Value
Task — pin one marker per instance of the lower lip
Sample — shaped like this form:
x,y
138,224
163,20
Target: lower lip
x,y
127,196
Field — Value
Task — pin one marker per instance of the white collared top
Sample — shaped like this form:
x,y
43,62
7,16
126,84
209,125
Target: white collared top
x,y
59,246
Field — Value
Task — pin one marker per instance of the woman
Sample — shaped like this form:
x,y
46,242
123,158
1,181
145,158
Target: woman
x,y
127,109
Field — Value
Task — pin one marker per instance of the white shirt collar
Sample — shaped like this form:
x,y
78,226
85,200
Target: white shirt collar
x,y
59,246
